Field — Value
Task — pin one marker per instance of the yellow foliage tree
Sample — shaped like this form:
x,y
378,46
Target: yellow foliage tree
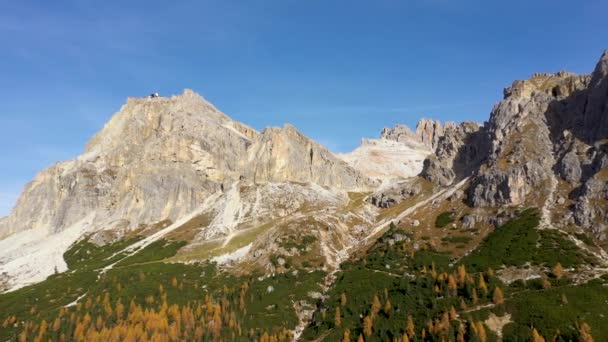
x,y
368,324
558,271
338,317
482,284
388,307
410,330
498,297
536,337
481,332
376,305
584,332
346,336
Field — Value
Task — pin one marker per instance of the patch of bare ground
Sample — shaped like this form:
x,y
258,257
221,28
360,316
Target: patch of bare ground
x,y
510,274
496,324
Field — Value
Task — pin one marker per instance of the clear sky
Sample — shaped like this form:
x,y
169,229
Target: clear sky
x,y
337,70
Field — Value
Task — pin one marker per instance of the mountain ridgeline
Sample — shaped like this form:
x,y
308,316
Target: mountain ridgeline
x,y
180,223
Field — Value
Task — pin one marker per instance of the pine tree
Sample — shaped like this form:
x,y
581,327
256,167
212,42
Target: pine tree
x,y
388,307
498,297
346,336
558,271
536,337
338,317
462,274
452,285
376,305
584,332
410,330
367,325
453,313
56,324
481,332
482,284
343,299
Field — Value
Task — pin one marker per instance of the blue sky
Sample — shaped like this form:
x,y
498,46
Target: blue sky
x,y
338,70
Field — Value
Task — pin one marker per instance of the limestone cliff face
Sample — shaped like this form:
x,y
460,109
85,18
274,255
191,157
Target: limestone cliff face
x,y
285,154
160,158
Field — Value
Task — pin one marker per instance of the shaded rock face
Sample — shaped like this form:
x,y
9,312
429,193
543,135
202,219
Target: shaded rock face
x,y
160,158
395,193
459,152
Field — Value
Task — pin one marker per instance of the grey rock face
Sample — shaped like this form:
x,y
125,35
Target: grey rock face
x,y
429,132
570,168
457,154
394,194
553,125
399,133
469,221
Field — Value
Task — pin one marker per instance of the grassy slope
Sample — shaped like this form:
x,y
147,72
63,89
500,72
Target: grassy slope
x,y
141,275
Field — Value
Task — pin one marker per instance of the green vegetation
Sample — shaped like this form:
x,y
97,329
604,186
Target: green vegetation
x,y
518,242
444,219
157,250
560,309
147,290
456,239
86,255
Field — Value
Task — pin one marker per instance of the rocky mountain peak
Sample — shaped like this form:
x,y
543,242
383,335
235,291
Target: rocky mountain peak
x,y
429,131
601,69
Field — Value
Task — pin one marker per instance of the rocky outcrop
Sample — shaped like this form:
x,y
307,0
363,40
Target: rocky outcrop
x,y
395,193
428,132
285,154
399,133
457,155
